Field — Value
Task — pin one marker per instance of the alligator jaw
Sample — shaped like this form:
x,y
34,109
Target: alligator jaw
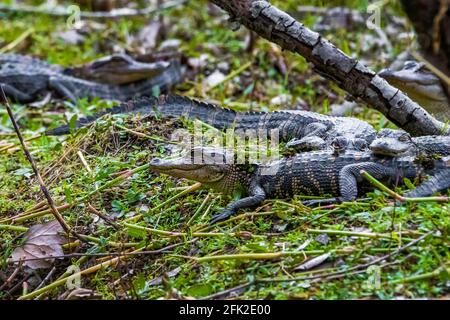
x,y
143,70
205,169
389,147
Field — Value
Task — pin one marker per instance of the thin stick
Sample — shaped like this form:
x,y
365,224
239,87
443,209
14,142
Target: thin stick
x,y
432,68
105,218
398,197
358,234
83,161
12,276
17,41
49,275
422,276
44,190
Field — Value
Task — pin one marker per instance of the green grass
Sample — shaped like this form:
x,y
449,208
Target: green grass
x,y
275,227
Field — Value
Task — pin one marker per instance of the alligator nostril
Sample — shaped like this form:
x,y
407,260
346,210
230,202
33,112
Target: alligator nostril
x,y
155,161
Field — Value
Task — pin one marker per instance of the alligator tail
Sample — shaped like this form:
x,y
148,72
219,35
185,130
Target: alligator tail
x,y
166,106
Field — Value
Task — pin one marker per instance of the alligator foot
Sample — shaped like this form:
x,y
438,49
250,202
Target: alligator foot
x,y
15,94
305,144
223,215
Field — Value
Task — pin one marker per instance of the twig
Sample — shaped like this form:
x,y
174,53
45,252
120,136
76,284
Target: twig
x,y
113,14
398,197
193,234
17,41
12,276
432,68
102,216
200,208
108,254
83,161
358,234
422,276
44,190
224,293
192,188
46,278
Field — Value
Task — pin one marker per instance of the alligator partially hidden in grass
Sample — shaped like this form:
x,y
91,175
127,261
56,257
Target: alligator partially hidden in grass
x,y
24,79
422,86
312,173
305,130
117,69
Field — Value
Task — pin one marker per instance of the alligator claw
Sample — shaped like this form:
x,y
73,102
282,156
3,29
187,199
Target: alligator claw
x,y
224,215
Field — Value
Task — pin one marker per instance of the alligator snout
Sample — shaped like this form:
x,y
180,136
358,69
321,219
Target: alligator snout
x,y
155,161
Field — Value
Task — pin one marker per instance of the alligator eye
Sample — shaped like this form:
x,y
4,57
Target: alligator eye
x,y
404,138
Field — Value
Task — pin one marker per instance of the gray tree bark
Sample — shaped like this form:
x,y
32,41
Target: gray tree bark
x,y
277,26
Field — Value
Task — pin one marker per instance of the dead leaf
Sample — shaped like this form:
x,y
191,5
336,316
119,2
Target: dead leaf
x,y
313,262
81,294
170,274
41,241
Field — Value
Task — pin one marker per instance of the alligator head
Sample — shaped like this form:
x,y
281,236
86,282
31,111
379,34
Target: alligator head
x,y
213,167
118,69
392,143
421,86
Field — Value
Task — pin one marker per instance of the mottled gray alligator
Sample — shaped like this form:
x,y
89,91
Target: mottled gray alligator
x,y
25,78
312,173
396,143
305,130
117,69
422,86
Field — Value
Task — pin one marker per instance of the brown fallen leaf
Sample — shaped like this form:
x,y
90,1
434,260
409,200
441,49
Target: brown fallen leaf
x,y
41,241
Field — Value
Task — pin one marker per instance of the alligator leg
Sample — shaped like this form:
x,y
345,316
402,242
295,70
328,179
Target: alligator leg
x,y
61,89
312,139
439,182
350,176
257,195
15,94
309,143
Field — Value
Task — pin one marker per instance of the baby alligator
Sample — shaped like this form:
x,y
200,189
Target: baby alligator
x,y
314,173
306,130
422,86
24,79
396,143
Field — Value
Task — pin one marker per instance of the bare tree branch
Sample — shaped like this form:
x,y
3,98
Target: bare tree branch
x,y
277,26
